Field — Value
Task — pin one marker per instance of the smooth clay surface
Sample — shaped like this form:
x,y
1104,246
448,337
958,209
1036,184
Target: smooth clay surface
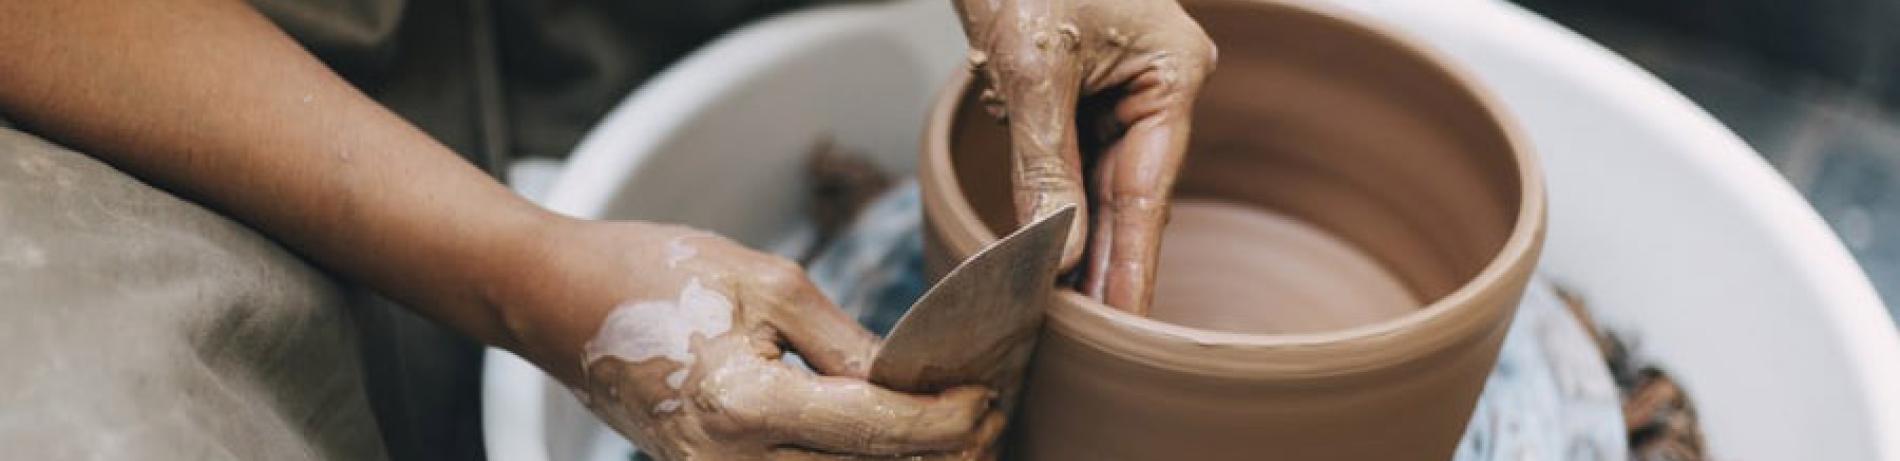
x,y
1355,223
1245,269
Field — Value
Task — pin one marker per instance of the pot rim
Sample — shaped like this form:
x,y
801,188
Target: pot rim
x,y
1437,327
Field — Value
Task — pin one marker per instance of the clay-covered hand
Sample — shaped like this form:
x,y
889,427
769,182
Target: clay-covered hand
x,y
674,337
1135,66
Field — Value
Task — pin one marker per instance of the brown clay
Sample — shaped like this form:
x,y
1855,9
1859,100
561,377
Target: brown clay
x,y
1383,206
1244,269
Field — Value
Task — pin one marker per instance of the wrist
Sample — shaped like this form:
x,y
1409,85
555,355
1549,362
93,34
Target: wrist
x,y
499,272
536,314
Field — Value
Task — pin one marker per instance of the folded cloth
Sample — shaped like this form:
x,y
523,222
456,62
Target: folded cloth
x,y
1551,395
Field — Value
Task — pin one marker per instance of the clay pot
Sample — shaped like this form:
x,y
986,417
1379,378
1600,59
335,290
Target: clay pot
x,y
1343,164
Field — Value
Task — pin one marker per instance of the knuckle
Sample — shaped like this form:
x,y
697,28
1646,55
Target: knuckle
x,y
1049,169
1196,51
1134,202
1206,53
780,277
1047,181
1198,56
1021,67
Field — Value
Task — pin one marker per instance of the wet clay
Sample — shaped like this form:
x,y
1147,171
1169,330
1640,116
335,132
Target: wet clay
x,y
1245,269
1355,222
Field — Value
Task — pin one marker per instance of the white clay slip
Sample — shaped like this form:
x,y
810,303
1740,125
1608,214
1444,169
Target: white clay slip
x,y
639,331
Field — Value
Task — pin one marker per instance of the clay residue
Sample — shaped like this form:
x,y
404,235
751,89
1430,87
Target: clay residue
x,y
1037,60
663,329
678,251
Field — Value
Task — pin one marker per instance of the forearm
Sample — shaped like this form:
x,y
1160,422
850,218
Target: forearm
x,y
209,100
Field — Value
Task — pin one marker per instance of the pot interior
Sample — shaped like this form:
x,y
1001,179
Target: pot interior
x,y
1335,177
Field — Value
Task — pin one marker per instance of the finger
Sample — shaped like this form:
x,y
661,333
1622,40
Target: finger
x,y
988,433
824,336
848,416
984,449
1135,181
799,454
1038,79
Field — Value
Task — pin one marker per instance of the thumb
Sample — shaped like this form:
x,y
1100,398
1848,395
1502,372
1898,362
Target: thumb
x,y
824,336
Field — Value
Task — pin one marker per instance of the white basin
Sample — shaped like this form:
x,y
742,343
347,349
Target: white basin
x,y
1678,234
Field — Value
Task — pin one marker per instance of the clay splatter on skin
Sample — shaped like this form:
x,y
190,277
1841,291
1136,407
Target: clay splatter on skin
x,y
678,251
668,406
676,379
646,330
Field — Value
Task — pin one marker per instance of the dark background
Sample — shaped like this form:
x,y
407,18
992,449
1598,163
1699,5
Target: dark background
x,y
1814,85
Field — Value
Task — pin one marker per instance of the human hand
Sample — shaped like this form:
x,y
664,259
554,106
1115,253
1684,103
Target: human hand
x,y
673,337
1138,64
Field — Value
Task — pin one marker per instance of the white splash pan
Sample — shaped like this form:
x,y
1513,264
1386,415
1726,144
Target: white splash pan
x,y
1677,233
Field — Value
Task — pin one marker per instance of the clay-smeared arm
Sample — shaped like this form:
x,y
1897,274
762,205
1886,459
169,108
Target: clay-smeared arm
x,y
1040,57
670,335
208,99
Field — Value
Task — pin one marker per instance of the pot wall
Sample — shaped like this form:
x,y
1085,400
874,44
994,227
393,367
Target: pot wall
x,y
1323,118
